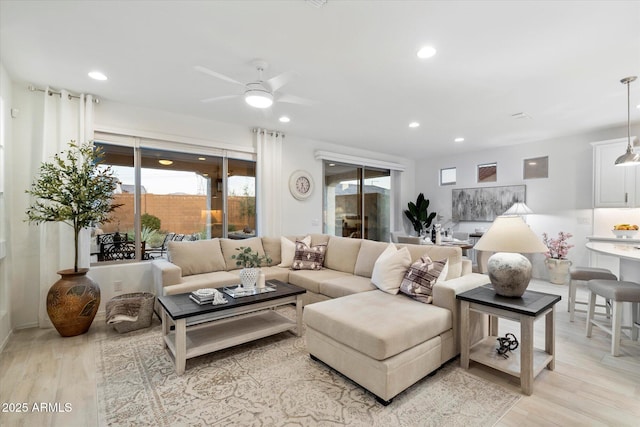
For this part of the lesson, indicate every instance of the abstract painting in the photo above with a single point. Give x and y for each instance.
(484, 203)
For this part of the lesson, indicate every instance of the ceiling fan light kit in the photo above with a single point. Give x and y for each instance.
(259, 93)
(629, 158)
(257, 96)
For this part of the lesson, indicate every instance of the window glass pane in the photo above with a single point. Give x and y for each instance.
(448, 176)
(241, 200)
(377, 196)
(107, 237)
(488, 172)
(179, 195)
(536, 168)
(343, 200)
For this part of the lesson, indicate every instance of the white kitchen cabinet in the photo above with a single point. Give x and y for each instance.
(614, 186)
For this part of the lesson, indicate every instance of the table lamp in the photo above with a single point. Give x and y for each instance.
(509, 271)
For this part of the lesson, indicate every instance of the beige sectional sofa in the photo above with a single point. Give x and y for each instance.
(382, 341)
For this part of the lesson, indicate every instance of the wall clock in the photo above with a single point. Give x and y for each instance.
(301, 184)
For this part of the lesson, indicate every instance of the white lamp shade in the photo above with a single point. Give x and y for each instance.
(510, 234)
(518, 208)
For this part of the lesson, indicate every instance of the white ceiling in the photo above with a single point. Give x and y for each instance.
(558, 62)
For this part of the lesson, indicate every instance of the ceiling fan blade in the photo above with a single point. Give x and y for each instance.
(280, 80)
(292, 99)
(218, 98)
(211, 73)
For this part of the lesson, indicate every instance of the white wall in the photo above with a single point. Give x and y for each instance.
(301, 217)
(562, 202)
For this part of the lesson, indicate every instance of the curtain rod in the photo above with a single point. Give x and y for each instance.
(268, 132)
(50, 92)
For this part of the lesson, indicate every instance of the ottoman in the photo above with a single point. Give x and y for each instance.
(383, 342)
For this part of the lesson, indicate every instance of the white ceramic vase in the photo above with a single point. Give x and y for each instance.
(558, 270)
(249, 277)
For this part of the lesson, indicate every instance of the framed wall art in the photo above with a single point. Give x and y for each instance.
(484, 203)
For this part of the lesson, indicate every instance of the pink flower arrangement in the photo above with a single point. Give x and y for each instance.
(558, 248)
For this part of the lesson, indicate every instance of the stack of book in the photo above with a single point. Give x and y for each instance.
(203, 296)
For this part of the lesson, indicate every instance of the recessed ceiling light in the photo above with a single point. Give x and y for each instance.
(165, 162)
(202, 158)
(332, 164)
(426, 52)
(459, 140)
(638, 106)
(284, 119)
(533, 163)
(97, 75)
(414, 124)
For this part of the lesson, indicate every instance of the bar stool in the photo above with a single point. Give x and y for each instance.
(585, 274)
(618, 292)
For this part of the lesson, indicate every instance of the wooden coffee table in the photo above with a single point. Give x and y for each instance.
(526, 362)
(202, 329)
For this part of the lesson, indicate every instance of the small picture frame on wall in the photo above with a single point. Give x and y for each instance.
(488, 172)
(536, 167)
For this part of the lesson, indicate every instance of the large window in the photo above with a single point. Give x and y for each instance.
(357, 201)
(170, 195)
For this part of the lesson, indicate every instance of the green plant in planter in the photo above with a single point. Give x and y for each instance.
(419, 215)
(73, 189)
(247, 258)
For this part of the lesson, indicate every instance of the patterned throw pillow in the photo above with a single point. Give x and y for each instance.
(420, 278)
(308, 257)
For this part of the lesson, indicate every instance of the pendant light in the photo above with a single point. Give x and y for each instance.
(629, 158)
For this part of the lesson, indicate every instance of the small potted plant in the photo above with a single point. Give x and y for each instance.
(557, 261)
(250, 262)
(419, 215)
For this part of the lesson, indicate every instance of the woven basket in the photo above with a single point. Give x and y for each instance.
(144, 315)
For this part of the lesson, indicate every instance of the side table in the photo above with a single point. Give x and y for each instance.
(531, 306)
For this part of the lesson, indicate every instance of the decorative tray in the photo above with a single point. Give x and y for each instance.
(237, 292)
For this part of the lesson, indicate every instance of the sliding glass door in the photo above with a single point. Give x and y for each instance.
(356, 201)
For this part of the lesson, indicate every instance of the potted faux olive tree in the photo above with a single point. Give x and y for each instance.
(75, 190)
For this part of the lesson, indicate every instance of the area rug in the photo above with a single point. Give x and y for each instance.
(273, 382)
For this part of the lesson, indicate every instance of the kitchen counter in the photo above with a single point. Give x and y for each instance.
(614, 239)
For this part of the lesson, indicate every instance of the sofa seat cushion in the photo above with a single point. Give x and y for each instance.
(311, 279)
(216, 279)
(342, 286)
(376, 323)
(270, 273)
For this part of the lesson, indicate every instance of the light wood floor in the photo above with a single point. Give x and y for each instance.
(588, 387)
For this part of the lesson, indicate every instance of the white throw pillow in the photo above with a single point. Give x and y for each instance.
(390, 268)
(288, 250)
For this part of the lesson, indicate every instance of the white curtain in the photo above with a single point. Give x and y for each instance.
(64, 119)
(269, 182)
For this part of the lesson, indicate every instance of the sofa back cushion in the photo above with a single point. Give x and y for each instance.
(271, 246)
(342, 253)
(369, 253)
(230, 247)
(435, 252)
(197, 257)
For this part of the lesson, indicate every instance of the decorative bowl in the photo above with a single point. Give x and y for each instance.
(624, 234)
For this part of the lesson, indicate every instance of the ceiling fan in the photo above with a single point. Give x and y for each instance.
(260, 93)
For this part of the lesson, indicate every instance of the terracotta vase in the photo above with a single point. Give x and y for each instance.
(72, 302)
(558, 270)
